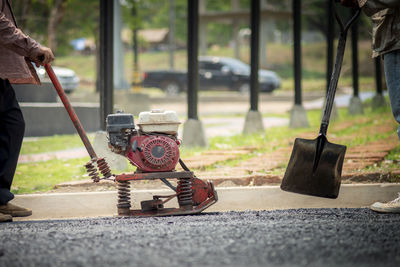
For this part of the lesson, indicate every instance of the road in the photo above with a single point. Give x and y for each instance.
(304, 237)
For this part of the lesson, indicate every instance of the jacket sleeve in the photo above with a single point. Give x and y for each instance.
(14, 39)
(370, 7)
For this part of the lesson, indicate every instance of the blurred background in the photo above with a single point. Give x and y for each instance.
(71, 29)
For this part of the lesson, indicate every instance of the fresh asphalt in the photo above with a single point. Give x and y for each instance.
(302, 237)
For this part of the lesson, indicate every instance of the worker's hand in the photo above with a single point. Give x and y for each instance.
(350, 3)
(45, 56)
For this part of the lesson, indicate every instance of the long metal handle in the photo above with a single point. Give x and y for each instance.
(71, 111)
(330, 96)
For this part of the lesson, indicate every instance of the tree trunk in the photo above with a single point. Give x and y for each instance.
(56, 15)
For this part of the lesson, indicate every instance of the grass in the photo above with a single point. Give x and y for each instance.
(43, 176)
(277, 137)
(51, 143)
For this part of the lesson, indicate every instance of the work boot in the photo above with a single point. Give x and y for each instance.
(390, 207)
(15, 211)
(5, 218)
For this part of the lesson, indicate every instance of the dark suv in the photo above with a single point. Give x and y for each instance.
(215, 73)
(233, 74)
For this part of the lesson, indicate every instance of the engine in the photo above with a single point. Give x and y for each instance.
(153, 147)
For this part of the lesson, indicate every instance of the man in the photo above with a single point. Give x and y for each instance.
(17, 51)
(385, 15)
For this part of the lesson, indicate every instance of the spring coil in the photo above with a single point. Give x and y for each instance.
(124, 194)
(92, 171)
(185, 195)
(104, 168)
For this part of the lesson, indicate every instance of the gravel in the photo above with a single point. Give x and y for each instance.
(302, 237)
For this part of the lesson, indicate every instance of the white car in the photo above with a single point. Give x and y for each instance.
(67, 77)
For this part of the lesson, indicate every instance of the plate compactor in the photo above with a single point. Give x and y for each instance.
(154, 149)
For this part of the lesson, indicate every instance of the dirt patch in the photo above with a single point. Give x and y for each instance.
(344, 125)
(362, 156)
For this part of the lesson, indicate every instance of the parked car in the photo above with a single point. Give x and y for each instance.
(67, 77)
(215, 73)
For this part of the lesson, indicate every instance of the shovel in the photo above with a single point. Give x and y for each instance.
(315, 166)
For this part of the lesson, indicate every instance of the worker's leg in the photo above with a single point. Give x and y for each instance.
(392, 73)
(12, 127)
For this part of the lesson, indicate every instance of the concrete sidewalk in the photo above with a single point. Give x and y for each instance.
(97, 204)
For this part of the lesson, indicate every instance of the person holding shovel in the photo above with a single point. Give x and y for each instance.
(385, 15)
(17, 52)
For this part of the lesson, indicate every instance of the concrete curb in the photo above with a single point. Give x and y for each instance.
(98, 204)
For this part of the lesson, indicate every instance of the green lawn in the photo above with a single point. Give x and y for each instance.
(43, 176)
(51, 143)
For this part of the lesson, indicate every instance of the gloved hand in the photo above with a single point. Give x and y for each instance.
(45, 56)
(350, 3)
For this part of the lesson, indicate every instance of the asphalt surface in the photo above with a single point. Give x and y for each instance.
(305, 237)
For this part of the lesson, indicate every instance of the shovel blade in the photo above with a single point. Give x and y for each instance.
(303, 176)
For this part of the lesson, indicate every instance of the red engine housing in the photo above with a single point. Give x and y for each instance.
(153, 153)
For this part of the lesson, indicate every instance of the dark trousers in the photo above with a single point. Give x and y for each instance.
(12, 127)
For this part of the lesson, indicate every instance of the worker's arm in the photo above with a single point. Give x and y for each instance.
(379, 4)
(14, 39)
(370, 7)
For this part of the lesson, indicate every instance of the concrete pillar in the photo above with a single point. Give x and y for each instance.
(253, 122)
(298, 117)
(100, 145)
(378, 100)
(193, 133)
(355, 106)
(334, 113)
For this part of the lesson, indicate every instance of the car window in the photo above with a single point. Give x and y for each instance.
(236, 65)
(210, 66)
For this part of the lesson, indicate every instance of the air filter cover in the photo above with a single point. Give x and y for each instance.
(159, 121)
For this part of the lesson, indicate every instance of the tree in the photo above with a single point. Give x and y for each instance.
(57, 11)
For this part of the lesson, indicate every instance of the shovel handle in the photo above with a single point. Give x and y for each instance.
(330, 96)
(71, 111)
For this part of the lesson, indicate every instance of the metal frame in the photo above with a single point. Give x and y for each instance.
(297, 51)
(106, 79)
(254, 54)
(354, 55)
(192, 54)
(157, 203)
